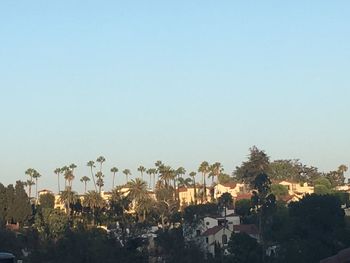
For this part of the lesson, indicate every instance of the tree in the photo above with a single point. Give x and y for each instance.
(279, 190)
(94, 201)
(244, 248)
(322, 186)
(114, 171)
(193, 175)
(85, 180)
(215, 170)
(258, 162)
(100, 160)
(204, 168)
(141, 169)
(30, 172)
(58, 173)
(91, 164)
(138, 193)
(243, 207)
(47, 200)
(127, 173)
(68, 197)
(99, 181)
(36, 175)
(337, 177)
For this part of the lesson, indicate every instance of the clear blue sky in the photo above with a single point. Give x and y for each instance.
(179, 81)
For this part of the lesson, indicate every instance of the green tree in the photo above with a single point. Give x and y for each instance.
(36, 175)
(204, 168)
(193, 175)
(47, 200)
(85, 180)
(243, 207)
(95, 202)
(258, 162)
(114, 171)
(244, 248)
(127, 174)
(58, 173)
(215, 170)
(101, 160)
(142, 170)
(279, 190)
(91, 164)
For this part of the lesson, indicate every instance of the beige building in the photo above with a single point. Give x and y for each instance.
(298, 190)
(233, 188)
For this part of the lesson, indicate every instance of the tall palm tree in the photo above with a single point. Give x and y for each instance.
(69, 177)
(58, 173)
(101, 160)
(182, 182)
(204, 169)
(141, 169)
(72, 167)
(114, 170)
(193, 175)
(64, 169)
(215, 170)
(179, 173)
(153, 172)
(91, 164)
(85, 180)
(94, 201)
(166, 174)
(138, 193)
(29, 172)
(99, 181)
(36, 175)
(127, 173)
(149, 172)
(68, 197)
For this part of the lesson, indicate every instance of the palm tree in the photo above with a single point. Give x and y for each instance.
(215, 170)
(99, 182)
(204, 169)
(94, 201)
(36, 175)
(58, 172)
(178, 174)
(138, 193)
(193, 175)
(64, 169)
(91, 164)
(85, 180)
(127, 173)
(30, 172)
(72, 167)
(69, 177)
(114, 170)
(181, 182)
(141, 169)
(101, 160)
(68, 197)
(166, 174)
(152, 172)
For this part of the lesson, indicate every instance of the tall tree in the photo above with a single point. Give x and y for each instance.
(29, 172)
(58, 173)
(99, 181)
(258, 162)
(85, 180)
(101, 160)
(91, 164)
(215, 170)
(138, 193)
(141, 169)
(36, 175)
(114, 171)
(193, 175)
(204, 168)
(127, 173)
(94, 201)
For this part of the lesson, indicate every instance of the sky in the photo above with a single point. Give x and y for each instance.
(177, 81)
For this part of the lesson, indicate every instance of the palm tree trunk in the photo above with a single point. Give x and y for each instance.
(85, 186)
(36, 188)
(58, 183)
(113, 180)
(93, 179)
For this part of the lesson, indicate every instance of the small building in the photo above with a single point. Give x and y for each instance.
(216, 236)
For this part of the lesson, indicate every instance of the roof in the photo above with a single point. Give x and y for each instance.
(182, 189)
(230, 185)
(247, 229)
(212, 231)
(243, 196)
(6, 256)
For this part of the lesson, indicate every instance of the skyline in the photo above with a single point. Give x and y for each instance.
(181, 83)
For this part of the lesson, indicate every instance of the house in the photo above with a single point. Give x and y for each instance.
(298, 190)
(216, 236)
(249, 229)
(232, 188)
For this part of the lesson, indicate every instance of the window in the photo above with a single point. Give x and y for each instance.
(224, 239)
(207, 223)
(207, 240)
(198, 233)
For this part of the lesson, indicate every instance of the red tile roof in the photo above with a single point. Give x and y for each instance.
(230, 185)
(212, 231)
(248, 229)
(243, 196)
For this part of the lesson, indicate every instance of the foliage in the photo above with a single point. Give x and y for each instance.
(244, 249)
(258, 162)
(243, 207)
(279, 190)
(47, 200)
